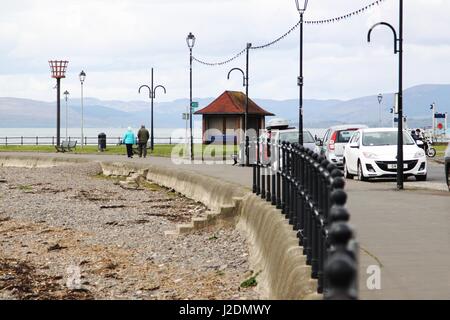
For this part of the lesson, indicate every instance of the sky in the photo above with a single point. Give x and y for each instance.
(117, 42)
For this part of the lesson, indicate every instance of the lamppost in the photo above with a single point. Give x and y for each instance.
(190, 40)
(82, 77)
(152, 96)
(58, 69)
(245, 84)
(301, 10)
(398, 48)
(380, 99)
(66, 97)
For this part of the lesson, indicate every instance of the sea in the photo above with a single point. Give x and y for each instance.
(46, 136)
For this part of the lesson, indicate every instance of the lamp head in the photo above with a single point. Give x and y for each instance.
(301, 5)
(190, 40)
(380, 98)
(82, 76)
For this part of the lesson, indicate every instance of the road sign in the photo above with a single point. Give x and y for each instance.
(185, 116)
(194, 105)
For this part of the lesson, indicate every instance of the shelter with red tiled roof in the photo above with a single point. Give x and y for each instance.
(226, 115)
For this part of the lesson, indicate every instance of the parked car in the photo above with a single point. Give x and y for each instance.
(447, 165)
(372, 153)
(278, 136)
(334, 140)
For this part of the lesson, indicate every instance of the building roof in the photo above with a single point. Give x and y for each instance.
(233, 102)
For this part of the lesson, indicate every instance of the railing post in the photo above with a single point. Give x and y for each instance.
(279, 176)
(21, 140)
(258, 167)
(255, 164)
(341, 271)
(315, 218)
(285, 191)
(6, 141)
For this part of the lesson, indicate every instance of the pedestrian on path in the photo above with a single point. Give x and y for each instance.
(143, 137)
(129, 139)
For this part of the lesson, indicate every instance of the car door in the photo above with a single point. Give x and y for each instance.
(322, 148)
(353, 153)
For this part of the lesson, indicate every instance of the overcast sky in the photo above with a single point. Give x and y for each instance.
(117, 42)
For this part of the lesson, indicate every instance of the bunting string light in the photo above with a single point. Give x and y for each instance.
(346, 16)
(213, 64)
(313, 22)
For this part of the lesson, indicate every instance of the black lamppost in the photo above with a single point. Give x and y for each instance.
(380, 99)
(245, 84)
(190, 40)
(301, 7)
(398, 48)
(82, 77)
(152, 96)
(58, 69)
(66, 97)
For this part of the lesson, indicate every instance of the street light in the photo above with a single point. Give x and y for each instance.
(301, 7)
(82, 78)
(152, 96)
(380, 99)
(66, 97)
(58, 68)
(398, 48)
(245, 82)
(190, 40)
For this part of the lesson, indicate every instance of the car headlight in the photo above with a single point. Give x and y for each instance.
(370, 155)
(419, 154)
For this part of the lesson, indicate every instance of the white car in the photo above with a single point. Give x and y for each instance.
(372, 153)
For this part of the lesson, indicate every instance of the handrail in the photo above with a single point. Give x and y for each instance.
(309, 191)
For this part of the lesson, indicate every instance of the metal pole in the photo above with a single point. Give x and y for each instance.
(247, 158)
(58, 111)
(190, 109)
(67, 117)
(433, 122)
(400, 178)
(152, 94)
(82, 116)
(300, 84)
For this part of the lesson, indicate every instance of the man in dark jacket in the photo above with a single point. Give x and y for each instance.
(143, 137)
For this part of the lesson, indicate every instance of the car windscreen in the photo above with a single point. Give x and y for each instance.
(384, 138)
(344, 136)
(292, 137)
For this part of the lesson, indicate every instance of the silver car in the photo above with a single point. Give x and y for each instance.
(333, 143)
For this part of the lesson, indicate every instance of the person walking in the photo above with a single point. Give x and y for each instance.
(143, 136)
(129, 139)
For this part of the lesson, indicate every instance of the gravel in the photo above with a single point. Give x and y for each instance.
(71, 233)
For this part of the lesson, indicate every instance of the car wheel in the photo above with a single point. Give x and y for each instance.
(421, 178)
(347, 175)
(361, 176)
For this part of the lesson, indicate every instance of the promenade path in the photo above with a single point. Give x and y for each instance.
(406, 233)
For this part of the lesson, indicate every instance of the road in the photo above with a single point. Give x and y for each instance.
(406, 233)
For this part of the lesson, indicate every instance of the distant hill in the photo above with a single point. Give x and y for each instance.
(22, 113)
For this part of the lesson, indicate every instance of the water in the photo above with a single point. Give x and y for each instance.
(48, 135)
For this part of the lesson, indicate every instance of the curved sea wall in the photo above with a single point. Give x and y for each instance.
(274, 251)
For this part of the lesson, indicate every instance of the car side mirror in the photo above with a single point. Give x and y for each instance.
(354, 145)
(319, 143)
(420, 143)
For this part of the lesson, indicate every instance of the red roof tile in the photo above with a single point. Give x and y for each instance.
(233, 102)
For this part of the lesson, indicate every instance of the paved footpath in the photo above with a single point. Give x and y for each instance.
(406, 233)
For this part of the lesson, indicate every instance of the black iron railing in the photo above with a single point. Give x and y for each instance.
(46, 140)
(309, 191)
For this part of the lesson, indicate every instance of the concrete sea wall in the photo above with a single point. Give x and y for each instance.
(273, 244)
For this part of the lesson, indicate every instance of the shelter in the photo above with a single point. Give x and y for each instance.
(227, 114)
